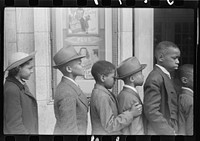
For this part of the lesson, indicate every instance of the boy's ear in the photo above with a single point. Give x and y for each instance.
(161, 57)
(131, 78)
(68, 69)
(184, 80)
(102, 78)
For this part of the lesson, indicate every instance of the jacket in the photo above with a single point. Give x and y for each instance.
(127, 98)
(20, 108)
(105, 117)
(70, 108)
(186, 112)
(160, 104)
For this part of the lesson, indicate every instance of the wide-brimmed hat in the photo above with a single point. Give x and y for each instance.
(65, 55)
(129, 67)
(18, 58)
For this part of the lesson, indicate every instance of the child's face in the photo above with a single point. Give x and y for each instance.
(77, 68)
(26, 71)
(188, 80)
(109, 80)
(138, 78)
(170, 59)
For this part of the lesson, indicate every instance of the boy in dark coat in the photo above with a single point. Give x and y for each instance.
(130, 71)
(105, 117)
(186, 100)
(20, 106)
(160, 98)
(70, 103)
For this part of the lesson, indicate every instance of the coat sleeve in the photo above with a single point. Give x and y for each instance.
(152, 107)
(13, 112)
(67, 108)
(109, 121)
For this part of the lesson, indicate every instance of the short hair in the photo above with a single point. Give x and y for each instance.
(13, 72)
(185, 70)
(162, 47)
(102, 67)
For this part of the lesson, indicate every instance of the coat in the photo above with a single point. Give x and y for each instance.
(126, 98)
(20, 108)
(105, 117)
(186, 112)
(160, 104)
(70, 108)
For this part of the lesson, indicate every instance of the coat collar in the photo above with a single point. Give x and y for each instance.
(20, 85)
(77, 89)
(187, 91)
(109, 93)
(127, 89)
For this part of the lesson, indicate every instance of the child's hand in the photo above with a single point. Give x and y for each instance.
(136, 109)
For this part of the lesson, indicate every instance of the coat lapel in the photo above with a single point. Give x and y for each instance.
(78, 91)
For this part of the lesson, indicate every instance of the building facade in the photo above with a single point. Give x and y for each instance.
(111, 34)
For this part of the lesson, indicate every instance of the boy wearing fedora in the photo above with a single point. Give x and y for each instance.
(70, 103)
(130, 71)
(105, 117)
(160, 98)
(20, 106)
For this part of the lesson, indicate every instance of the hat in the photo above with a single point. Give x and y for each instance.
(18, 58)
(64, 55)
(129, 67)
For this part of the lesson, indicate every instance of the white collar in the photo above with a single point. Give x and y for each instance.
(186, 88)
(132, 88)
(71, 80)
(164, 70)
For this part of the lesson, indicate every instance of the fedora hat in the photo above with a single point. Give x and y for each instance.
(129, 67)
(18, 58)
(65, 55)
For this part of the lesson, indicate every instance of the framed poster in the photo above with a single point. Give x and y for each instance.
(83, 21)
(92, 55)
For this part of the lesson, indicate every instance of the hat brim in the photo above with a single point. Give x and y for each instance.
(71, 59)
(19, 62)
(135, 71)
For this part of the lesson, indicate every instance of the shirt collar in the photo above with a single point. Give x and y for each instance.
(71, 80)
(132, 88)
(186, 88)
(164, 70)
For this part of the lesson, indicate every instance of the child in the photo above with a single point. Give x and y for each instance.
(130, 71)
(70, 104)
(20, 106)
(105, 118)
(160, 98)
(186, 100)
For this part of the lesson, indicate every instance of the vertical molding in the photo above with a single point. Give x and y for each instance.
(143, 35)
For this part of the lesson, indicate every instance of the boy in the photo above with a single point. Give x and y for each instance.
(160, 98)
(186, 100)
(105, 118)
(20, 106)
(130, 71)
(70, 104)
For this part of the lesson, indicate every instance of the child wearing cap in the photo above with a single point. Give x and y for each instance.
(160, 97)
(186, 100)
(20, 106)
(130, 71)
(105, 117)
(70, 103)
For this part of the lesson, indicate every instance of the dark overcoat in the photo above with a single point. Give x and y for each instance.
(160, 104)
(70, 108)
(126, 98)
(20, 108)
